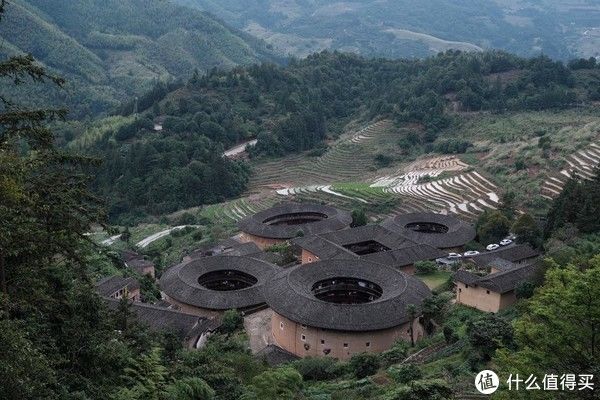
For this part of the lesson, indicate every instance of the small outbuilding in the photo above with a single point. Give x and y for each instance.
(211, 285)
(520, 254)
(118, 287)
(492, 292)
(441, 231)
(338, 308)
(191, 329)
(290, 220)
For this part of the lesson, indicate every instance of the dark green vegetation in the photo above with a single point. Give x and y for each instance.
(403, 28)
(112, 50)
(578, 205)
(60, 342)
(296, 108)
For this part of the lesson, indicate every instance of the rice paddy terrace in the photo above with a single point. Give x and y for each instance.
(350, 158)
(581, 164)
(346, 175)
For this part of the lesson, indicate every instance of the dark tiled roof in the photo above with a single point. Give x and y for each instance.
(289, 294)
(499, 282)
(323, 248)
(365, 233)
(275, 355)
(112, 284)
(138, 264)
(501, 264)
(465, 277)
(335, 220)
(513, 254)
(160, 319)
(458, 234)
(502, 282)
(229, 245)
(180, 282)
(128, 255)
(402, 251)
(406, 256)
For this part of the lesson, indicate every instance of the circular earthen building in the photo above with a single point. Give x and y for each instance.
(211, 285)
(290, 220)
(338, 308)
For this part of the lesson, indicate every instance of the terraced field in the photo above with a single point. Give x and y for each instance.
(417, 187)
(466, 194)
(350, 158)
(228, 213)
(580, 164)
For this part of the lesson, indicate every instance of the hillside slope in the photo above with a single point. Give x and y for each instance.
(403, 28)
(112, 50)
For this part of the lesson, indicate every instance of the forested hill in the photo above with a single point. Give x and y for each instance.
(296, 108)
(405, 28)
(111, 50)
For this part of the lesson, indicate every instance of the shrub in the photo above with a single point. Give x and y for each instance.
(359, 218)
(425, 267)
(186, 219)
(317, 369)
(396, 354)
(232, 321)
(383, 160)
(405, 373)
(524, 290)
(364, 364)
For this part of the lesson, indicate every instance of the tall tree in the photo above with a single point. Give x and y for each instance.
(559, 329)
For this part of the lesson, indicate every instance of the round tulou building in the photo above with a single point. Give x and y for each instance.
(338, 308)
(437, 230)
(290, 220)
(211, 285)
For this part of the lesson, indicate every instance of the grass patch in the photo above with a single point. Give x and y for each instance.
(435, 279)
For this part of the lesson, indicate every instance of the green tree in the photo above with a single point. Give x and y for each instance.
(277, 384)
(364, 364)
(558, 330)
(188, 389)
(488, 333)
(146, 377)
(359, 217)
(527, 231)
(524, 290)
(492, 226)
(425, 267)
(430, 389)
(405, 373)
(232, 321)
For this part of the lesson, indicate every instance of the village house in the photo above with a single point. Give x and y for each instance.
(494, 291)
(191, 329)
(138, 263)
(118, 287)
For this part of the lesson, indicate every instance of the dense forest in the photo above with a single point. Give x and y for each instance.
(110, 51)
(296, 108)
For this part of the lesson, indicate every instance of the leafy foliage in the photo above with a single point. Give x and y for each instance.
(558, 331)
(492, 226)
(578, 204)
(113, 50)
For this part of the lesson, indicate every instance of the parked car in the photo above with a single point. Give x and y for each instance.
(492, 246)
(505, 242)
(454, 255)
(471, 253)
